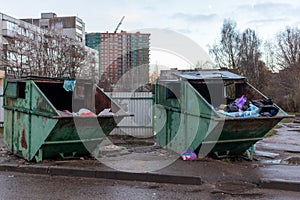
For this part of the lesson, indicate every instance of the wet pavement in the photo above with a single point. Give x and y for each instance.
(282, 168)
(276, 165)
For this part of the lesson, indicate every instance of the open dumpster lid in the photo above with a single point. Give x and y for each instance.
(209, 75)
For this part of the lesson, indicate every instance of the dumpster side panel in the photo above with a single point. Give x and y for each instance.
(198, 126)
(102, 101)
(21, 134)
(196, 103)
(41, 127)
(173, 132)
(168, 114)
(184, 121)
(77, 136)
(238, 135)
(8, 129)
(198, 113)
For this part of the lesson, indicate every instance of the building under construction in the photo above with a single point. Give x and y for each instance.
(123, 57)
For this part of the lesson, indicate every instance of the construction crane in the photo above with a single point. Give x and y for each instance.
(119, 24)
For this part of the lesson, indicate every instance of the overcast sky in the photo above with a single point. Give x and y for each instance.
(200, 20)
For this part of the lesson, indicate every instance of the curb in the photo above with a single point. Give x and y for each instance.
(105, 174)
(280, 184)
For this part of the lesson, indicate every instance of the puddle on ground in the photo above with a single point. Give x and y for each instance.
(271, 161)
(287, 161)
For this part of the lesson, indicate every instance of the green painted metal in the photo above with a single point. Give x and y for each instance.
(182, 122)
(34, 130)
(238, 135)
(186, 120)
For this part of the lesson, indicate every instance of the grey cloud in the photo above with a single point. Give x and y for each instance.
(262, 21)
(271, 6)
(268, 8)
(195, 17)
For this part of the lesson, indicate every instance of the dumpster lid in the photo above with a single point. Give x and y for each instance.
(209, 75)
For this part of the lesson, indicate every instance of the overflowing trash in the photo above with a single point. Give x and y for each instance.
(242, 107)
(83, 112)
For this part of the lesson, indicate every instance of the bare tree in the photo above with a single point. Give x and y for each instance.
(90, 70)
(241, 53)
(226, 53)
(288, 54)
(251, 64)
(269, 56)
(16, 56)
(43, 54)
(286, 57)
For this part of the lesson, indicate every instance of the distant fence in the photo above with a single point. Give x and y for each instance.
(140, 104)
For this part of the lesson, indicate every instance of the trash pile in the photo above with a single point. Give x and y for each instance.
(242, 107)
(85, 113)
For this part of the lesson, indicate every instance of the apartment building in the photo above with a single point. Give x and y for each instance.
(71, 26)
(22, 45)
(122, 55)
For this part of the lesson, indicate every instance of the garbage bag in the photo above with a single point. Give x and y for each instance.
(268, 110)
(266, 107)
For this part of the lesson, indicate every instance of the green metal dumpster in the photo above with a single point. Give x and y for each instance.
(40, 122)
(187, 116)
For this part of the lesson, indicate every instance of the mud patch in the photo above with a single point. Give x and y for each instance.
(135, 144)
(236, 189)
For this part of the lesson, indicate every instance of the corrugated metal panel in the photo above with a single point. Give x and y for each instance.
(140, 104)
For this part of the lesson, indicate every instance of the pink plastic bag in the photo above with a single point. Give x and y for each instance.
(189, 155)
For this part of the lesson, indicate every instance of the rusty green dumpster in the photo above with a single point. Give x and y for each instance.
(188, 114)
(42, 121)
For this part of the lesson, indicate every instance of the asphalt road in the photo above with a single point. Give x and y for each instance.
(27, 186)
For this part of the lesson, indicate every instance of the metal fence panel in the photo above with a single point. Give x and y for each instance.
(140, 104)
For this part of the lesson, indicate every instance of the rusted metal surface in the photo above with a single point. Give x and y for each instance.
(23, 139)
